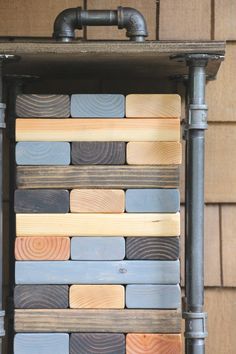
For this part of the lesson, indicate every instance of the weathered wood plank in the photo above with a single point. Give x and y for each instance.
(153, 343)
(97, 106)
(93, 343)
(97, 129)
(97, 297)
(125, 224)
(153, 296)
(153, 106)
(159, 248)
(97, 248)
(97, 272)
(42, 248)
(97, 201)
(116, 177)
(41, 343)
(154, 153)
(111, 321)
(152, 200)
(41, 296)
(41, 201)
(42, 153)
(98, 153)
(42, 105)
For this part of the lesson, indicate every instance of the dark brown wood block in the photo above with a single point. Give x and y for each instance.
(41, 296)
(116, 177)
(152, 248)
(94, 343)
(98, 153)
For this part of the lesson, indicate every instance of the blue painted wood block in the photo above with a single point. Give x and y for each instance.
(153, 296)
(41, 343)
(152, 200)
(97, 272)
(42, 153)
(97, 106)
(97, 248)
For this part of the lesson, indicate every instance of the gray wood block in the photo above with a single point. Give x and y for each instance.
(41, 343)
(42, 153)
(152, 200)
(97, 106)
(97, 272)
(97, 248)
(41, 201)
(153, 296)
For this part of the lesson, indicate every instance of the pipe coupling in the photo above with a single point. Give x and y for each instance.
(195, 325)
(197, 116)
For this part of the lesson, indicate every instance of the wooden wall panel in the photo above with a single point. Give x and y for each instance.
(225, 17)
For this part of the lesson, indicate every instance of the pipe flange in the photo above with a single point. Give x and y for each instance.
(186, 57)
(195, 325)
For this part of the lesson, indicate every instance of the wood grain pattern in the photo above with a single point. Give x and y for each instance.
(41, 201)
(224, 15)
(42, 105)
(97, 272)
(42, 248)
(126, 224)
(115, 177)
(153, 106)
(150, 248)
(98, 153)
(138, 343)
(97, 297)
(41, 296)
(154, 153)
(97, 201)
(108, 321)
(97, 129)
(94, 343)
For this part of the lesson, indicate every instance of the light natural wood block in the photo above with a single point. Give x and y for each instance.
(154, 153)
(126, 224)
(97, 297)
(153, 106)
(149, 343)
(97, 130)
(97, 201)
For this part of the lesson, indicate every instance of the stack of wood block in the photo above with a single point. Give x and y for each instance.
(97, 224)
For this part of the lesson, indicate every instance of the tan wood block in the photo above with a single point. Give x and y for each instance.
(97, 297)
(150, 343)
(153, 106)
(154, 153)
(97, 201)
(98, 224)
(97, 129)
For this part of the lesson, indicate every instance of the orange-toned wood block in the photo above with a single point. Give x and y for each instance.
(42, 248)
(153, 343)
(97, 201)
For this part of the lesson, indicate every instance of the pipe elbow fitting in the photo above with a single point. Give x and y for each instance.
(65, 24)
(134, 22)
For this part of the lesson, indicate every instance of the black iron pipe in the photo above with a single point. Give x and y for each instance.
(124, 17)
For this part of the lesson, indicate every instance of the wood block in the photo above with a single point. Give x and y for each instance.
(97, 106)
(41, 343)
(41, 201)
(126, 224)
(153, 106)
(152, 200)
(97, 201)
(98, 153)
(224, 20)
(150, 343)
(97, 129)
(116, 177)
(42, 153)
(42, 248)
(42, 105)
(97, 248)
(154, 153)
(97, 297)
(159, 248)
(97, 272)
(111, 321)
(153, 296)
(41, 296)
(93, 343)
